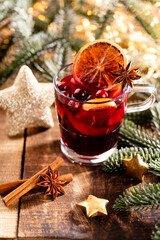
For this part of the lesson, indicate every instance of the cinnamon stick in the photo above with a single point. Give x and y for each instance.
(30, 183)
(9, 186)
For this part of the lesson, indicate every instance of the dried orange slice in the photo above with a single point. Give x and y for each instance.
(96, 111)
(98, 104)
(94, 63)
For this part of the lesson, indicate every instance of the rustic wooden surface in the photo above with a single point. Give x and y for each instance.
(40, 218)
(11, 150)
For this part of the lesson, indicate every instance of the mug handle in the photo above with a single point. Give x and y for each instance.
(141, 106)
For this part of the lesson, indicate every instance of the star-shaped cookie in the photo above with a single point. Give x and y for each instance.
(94, 206)
(27, 102)
(135, 167)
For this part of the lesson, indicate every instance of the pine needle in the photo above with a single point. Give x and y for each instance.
(139, 197)
(136, 135)
(31, 51)
(149, 155)
(156, 232)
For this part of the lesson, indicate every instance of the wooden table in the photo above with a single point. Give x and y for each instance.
(34, 217)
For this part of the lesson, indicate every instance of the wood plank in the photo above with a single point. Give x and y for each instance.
(62, 219)
(10, 169)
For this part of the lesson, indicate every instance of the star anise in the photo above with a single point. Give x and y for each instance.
(125, 75)
(52, 183)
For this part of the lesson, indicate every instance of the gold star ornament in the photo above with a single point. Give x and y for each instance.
(135, 167)
(27, 102)
(94, 206)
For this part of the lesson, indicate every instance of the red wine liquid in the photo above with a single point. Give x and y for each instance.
(88, 129)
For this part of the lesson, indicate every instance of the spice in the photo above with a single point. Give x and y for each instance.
(30, 183)
(126, 75)
(7, 187)
(52, 183)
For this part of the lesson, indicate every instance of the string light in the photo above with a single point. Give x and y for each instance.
(155, 21)
(41, 17)
(157, 4)
(108, 28)
(118, 40)
(89, 12)
(91, 38)
(85, 22)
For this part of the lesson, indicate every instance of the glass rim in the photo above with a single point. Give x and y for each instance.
(80, 101)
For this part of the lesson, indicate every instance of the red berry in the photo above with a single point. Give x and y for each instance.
(73, 105)
(80, 94)
(101, 93)
(63, 85)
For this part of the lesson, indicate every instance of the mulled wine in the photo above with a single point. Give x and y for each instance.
(91, 96)
(89, 120)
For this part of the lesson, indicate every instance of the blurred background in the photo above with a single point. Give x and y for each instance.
(46, 35)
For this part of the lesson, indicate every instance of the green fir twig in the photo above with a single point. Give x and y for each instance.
(107, 19)
(30, 51)
(49, 66)
(156, 232)
(138, 136)
(136, 8)
(149, 155)
(21, 19)
(6, 9)
(141, 197)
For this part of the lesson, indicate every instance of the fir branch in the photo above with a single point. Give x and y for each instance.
(31, 50)
(77, 43)
(149, 155)
(6, 8)
(21, 19)
(139, 197)
(82, 12)
(156, 232)
(107, 19)
(155, 167)
(152, 1)
(137, 135)
(50, 14)
(136, 8)
(65, 22)
(50, 66)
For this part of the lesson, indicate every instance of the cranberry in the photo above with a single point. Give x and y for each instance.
(101, 93)
(80, 94)
(63, 85)
(73, 105)
(67, 93)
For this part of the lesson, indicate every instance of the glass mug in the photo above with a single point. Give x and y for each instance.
(89, 130)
